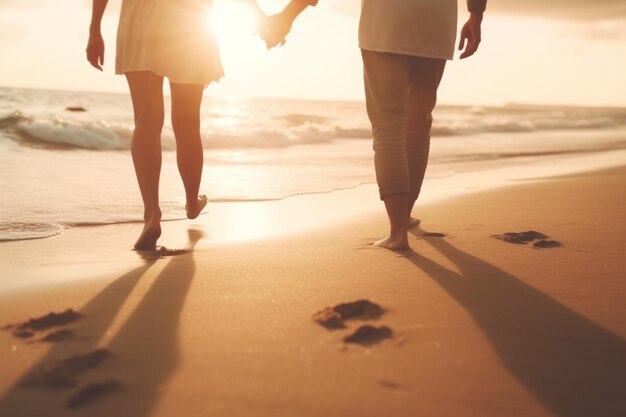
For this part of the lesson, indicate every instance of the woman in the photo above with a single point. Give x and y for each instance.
(159, 39)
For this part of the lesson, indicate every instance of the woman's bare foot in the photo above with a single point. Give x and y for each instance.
(414, 222)
(194, 209)
(150, 234)
(395, 243)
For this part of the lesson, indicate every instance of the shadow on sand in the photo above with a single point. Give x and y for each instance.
(145, 351)
(572, 366)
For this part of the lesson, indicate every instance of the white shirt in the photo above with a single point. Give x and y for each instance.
(424, 28)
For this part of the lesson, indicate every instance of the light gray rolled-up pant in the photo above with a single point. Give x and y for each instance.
(401, 93)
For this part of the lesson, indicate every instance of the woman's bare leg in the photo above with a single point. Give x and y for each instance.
(146, 89)
(186, 100)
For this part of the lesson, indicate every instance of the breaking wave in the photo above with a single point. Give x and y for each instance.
(298, 129)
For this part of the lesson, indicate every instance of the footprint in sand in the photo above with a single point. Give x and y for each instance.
(92, 392)
(392, 385)
(63, 373)
(60, 335)
(369, 335)
(163, 251)
(28, 328)
(433, 234)
(160, 252)
(543, 244)
(334, 318)
(522, 238)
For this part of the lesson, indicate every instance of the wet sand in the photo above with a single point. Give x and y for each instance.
(463, 324)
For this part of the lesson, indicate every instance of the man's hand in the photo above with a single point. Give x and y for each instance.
(95, 50)
(470, 35)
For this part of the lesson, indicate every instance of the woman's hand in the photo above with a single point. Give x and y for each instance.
(95, 49)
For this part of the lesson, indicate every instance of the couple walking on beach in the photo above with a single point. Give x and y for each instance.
(404, 46)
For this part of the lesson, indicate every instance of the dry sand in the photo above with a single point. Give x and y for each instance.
(478, 326)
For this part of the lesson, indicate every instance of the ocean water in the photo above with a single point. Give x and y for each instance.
(63, 169)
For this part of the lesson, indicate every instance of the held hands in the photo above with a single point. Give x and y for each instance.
(470, 36)
(274, 29)
(95, 50)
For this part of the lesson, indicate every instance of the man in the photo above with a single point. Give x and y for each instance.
(404, 45)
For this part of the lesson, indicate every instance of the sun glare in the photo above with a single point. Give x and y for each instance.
(232, 23)
(234, 26)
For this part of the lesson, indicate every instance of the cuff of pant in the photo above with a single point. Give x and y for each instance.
(393, 189)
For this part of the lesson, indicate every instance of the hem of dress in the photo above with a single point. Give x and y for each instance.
(205, 83)
(400, 51)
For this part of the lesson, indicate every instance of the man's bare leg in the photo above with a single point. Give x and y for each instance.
(412, 220)
(426, 74)
(396, 206)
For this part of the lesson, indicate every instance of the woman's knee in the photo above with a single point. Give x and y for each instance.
(185, 124)
(149, 124)
(146, 91)
(186, 101)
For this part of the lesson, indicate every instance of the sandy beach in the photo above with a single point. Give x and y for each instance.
(197, 227)
(463, 324)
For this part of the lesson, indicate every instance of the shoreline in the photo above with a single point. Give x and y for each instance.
(233, 223)
(478, 325)
(502, 174)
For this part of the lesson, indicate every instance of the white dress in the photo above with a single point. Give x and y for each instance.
(170, 38)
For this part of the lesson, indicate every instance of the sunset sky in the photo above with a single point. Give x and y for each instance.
(561, 52)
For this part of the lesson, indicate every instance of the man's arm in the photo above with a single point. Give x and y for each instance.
(95, 46)
(471, 32)
(476, 6)
(276, 28)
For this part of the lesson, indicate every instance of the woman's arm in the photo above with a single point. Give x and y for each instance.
(95, 46)
(295, 7)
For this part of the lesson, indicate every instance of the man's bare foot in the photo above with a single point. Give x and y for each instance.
(194, 210)
(414, 222)
(150, 234)
(393, 244)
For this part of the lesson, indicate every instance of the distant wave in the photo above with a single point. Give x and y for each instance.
(301, 119)
(64, 134)
(278, 137)
(497, 125)
(67, 134)
(298, 129)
